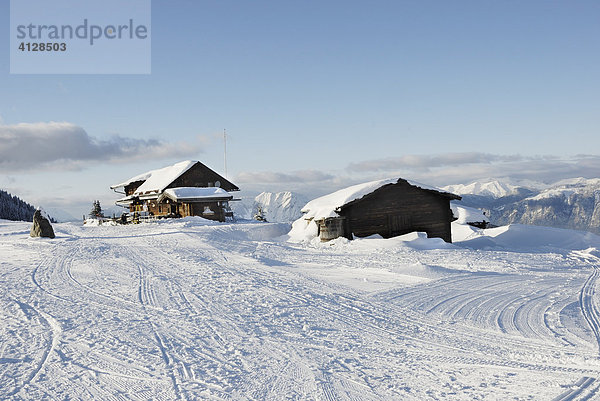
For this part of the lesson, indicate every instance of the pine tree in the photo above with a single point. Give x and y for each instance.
(259, 215)
(96, 211)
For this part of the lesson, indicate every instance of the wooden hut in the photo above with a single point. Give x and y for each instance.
(187, 188)
(388, 208)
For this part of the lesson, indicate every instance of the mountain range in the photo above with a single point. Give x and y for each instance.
(572, 203)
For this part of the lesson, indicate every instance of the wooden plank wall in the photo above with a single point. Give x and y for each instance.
(399, 209)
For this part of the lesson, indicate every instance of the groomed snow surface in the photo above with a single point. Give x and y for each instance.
(189, 309)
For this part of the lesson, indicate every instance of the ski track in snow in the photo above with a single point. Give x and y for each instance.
(587, 387)
(167, 311)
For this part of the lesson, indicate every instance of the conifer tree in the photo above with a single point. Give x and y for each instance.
(96, 211)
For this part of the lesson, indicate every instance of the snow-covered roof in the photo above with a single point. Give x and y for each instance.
(326, 206)
(191, 193)
(180, 194)
(157, 180)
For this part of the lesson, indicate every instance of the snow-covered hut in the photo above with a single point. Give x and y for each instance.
(187, 188)
(386, 207)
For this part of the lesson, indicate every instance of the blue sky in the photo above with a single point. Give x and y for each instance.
(317, 95)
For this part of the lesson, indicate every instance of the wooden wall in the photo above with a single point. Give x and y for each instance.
(183, 209)
(197, 209)
(398, 209)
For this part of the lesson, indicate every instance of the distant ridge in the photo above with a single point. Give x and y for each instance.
(13, 208)
(494, 188)
(573, 203)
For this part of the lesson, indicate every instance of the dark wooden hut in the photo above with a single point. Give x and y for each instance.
(392, 209)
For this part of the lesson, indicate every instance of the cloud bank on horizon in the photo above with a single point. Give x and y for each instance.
(27, 147)
(440, 169)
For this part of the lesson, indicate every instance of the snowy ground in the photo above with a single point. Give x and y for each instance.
(191, 310)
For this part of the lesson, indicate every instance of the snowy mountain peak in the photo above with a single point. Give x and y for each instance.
(494, 188)
(570, 187)
(281, 199)
(279, 207)
(578, 182)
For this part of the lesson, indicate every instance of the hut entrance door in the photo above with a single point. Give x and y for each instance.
(399, 224)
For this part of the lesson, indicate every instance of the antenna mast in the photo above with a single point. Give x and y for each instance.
(225, 151)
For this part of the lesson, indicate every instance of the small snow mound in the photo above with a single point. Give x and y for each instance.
(419, 240)
(189, 221)
(303, 231)
(465, 214)
(375, 242)
(463, 232)
(98, 222)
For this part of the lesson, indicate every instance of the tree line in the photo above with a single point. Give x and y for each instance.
(13, 208)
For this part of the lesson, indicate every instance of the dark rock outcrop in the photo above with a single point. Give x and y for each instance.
(41, 225)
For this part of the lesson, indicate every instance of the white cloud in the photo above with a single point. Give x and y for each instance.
(267, 177)
(454, 168)
(427, 162)
(65, 146)
(438, 170)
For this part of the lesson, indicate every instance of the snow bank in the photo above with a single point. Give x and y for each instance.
(414, 240)
(98, 222)
(519, 237)
(303, 230)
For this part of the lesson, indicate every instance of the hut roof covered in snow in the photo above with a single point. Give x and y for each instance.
(328, 205)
